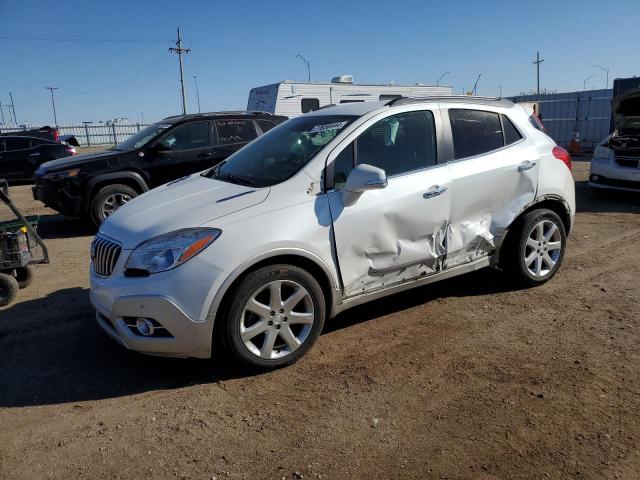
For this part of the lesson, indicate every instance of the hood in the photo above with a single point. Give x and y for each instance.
(626, 109)
(184, 203)
(66, 163)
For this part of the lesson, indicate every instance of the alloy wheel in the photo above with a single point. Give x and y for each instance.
(277, 319)
(543, 248)
(113, 202)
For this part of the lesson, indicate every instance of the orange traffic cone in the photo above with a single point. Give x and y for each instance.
(574, 146)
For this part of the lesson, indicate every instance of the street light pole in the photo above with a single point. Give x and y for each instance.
(441, 77)
(195, 79)
(605, 70)
(308, 64)
(53, 104)
(584, 84)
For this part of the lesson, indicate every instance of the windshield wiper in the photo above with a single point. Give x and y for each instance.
(237, 179)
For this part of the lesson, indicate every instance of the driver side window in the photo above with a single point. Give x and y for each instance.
(187, 137)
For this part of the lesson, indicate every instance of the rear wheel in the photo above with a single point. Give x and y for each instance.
(536, 249)
(8, 289)
(108, 200)
(276, 315)
(24, 276)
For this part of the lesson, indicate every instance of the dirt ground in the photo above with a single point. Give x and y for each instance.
(468, 378)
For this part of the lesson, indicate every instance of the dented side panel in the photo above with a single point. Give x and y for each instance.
(394, 234)
(488, 193)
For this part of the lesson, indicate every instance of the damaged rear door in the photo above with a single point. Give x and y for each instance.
(493, 177)
(397, 233)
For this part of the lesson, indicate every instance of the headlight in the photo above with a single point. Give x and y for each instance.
(61, 175)
(171, 250)
(602, 154)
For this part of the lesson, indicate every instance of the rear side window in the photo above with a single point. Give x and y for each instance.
(17, 143)
(235, 131)
(309, 104)
(511, 133)
(399, 143)
(475, 132)
(265, 125)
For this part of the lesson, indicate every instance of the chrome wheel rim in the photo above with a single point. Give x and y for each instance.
(543, 248)
(113, 202)
(277, 319)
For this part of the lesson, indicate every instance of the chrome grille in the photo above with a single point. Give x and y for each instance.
(104, 255)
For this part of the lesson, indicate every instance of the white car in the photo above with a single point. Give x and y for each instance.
(329, 210)
(616, 161)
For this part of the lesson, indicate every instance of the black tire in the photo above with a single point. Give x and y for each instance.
(8, 289)
(24, 276)
(98, 202)
(515, 250)
(232, 317)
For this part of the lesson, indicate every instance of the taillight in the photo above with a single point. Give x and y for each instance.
(56, 135)
(561, 154)
(72, 150)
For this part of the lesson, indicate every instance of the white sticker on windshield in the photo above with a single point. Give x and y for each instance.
(327, 126)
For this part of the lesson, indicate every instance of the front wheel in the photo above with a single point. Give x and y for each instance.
(108, 200)
(536, 250)
(276, 315)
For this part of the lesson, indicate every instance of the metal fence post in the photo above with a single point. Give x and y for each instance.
(113, 129)
(138, 125)
(86, 132)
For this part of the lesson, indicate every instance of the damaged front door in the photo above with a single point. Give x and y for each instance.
(396, 233)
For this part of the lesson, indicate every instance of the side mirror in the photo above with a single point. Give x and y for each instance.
(160, 147)
(362, 178)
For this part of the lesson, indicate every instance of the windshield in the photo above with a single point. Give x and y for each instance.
(142, 137)
(282, 152)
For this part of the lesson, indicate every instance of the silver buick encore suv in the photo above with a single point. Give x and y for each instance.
(329, 210)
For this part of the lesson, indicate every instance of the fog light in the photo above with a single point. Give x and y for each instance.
(595, 178)
(145, 327)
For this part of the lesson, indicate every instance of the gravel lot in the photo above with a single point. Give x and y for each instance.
(468, 378)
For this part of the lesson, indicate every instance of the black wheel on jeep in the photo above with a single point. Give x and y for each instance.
(108, 200)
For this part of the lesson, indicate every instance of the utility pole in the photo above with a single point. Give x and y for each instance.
(179, 50)
(13, 108)
(53, 104)
(500, 90)
(537, 63)
(195, 79)
(308, 64)
(606, 70)
(441, 77)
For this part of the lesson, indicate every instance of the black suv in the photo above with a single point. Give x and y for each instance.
(96, 185)
(21, 155)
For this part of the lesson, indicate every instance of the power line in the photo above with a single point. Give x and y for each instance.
(180, 51)
(80, 38)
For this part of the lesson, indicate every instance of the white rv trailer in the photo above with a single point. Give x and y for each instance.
(291, 98)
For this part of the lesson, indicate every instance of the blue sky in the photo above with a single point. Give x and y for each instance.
(109, 58)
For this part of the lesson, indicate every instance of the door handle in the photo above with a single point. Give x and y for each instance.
(434, 191)
(34, 154)
(204, 155)
(527, 165)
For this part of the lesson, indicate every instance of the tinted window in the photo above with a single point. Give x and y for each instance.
(475, 132)
(265, 125)
(342, 166)
(17, 143)
(511, 133)
(235, 131)
(310, 104)
(281, 153)
(188, 136)
(400, 143)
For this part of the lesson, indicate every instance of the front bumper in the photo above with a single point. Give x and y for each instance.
(613, 176)
(183, 337)
(58, 198)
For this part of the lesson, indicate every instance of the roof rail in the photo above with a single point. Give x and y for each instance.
(458, 98)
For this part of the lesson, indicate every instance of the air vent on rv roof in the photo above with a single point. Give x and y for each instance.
(342, 79)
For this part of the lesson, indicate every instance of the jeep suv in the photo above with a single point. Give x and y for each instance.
(96, 185)
(329, 210)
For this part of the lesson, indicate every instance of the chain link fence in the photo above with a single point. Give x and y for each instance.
(89, 135)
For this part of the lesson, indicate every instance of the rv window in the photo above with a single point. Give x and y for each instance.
(351, 101)
(389, 97)
(235, 131)
(310, 104)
